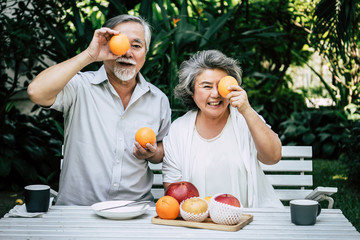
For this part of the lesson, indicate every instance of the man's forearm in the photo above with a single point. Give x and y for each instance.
(45, 87)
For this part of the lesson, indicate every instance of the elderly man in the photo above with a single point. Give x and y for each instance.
(102, 111)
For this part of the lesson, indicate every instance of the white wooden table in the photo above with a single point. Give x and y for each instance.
(75, 222)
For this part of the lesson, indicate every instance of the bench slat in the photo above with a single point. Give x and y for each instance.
(157, 180)
(155, 167)
(290, 180)
(289, 166)
(296, 151)
(283, 165)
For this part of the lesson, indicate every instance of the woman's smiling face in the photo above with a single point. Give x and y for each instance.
(206, 94)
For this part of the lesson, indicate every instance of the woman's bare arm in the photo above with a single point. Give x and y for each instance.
(266, 141)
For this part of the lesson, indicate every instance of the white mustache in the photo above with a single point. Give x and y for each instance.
(126, 60)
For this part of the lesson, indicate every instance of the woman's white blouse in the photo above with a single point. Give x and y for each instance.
(212, 159)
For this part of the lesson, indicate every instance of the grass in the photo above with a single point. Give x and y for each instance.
(327, 173)
(330, 173)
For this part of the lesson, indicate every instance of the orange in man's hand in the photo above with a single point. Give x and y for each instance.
(145, 135)
(224, 83)
(119, 44)
(167, 207)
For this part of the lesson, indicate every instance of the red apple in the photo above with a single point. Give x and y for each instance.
(228, 199)
(182, 191)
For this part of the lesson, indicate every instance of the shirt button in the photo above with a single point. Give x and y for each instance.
(122, 118)
(117, 161)
(115, 184)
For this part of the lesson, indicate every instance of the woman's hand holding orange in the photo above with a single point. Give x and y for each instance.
(98, 50)
(238, 99)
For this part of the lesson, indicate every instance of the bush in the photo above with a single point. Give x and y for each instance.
(277, 108)
(323, 129)
(350, 155)
(30, 150)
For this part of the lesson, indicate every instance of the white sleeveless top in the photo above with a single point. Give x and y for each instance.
(215, 165)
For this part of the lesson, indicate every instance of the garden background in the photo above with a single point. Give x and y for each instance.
(269, 38)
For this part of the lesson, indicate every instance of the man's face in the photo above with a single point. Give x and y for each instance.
(127, 66)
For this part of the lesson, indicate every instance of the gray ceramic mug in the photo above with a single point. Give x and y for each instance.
(304, 211)
(37, 198)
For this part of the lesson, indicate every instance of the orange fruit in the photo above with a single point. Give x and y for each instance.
(119, 44)
(167, 207)
(224, 83)
(145, 135)
(208, 198)
(194, 205)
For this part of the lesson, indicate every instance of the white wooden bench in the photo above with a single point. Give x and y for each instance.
(291, 177)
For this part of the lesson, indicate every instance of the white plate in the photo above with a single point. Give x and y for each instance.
(119, 213)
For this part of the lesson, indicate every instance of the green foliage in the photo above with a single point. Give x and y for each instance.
(322, 129)
(335, 34)
(30, 148)
(276, 108)
(19, 51)
(350, 155)
(352, 112)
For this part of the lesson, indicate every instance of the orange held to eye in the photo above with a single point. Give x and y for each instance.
(145, 135)
(167, 207)
(224, 83)
(119, 44)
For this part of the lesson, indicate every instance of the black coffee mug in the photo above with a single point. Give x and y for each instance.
(304, 211)
(37, 198)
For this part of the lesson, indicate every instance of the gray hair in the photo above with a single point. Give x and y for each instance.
(200, 61)
(113, 22)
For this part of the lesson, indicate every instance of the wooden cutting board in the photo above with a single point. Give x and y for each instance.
(207, 224)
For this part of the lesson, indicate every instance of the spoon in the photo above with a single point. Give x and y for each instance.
(126, 205)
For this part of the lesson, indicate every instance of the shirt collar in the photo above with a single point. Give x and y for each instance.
(101, 76)
(142, 83)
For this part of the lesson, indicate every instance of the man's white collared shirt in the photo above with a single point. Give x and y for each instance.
(99, 136)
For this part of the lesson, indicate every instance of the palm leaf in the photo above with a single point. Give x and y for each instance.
(333, 23)
(215, 27)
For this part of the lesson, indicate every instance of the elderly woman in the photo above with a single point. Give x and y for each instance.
(218, 144)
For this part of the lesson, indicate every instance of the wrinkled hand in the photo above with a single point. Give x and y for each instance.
(238, 98)
(144, 153)
(99, 49)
